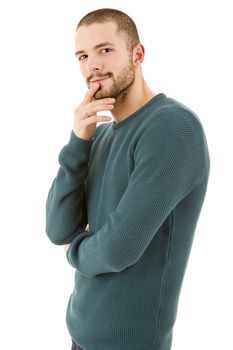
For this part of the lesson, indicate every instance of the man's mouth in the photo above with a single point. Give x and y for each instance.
(99, 78)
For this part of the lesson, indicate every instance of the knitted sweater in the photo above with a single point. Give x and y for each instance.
(128, 201)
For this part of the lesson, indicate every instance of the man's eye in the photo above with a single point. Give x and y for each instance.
(81, 58)
(106, 50)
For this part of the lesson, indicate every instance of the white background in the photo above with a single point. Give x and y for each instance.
(189, 58)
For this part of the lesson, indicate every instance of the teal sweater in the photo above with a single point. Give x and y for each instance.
(140, 186)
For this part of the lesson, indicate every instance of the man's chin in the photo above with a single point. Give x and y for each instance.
(102, 94)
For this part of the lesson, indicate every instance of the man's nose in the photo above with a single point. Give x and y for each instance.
(95, 64)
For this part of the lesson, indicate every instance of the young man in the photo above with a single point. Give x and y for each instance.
(127, 195)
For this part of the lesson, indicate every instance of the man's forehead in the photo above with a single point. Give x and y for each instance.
(94, 35)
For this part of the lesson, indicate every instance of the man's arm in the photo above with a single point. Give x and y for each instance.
(66, 214)
(168, 163)
(66, 204)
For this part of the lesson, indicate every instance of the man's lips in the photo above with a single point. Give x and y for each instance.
(99, 79)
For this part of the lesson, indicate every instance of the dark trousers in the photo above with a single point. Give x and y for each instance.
(75, 346)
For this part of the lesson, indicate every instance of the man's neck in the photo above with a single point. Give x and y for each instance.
(136, 99)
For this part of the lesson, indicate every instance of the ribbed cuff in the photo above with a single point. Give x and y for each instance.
(72, 252)
(75, 138)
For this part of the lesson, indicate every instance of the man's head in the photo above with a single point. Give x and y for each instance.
(107, 46)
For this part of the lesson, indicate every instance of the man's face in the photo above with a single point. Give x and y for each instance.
(103, 57)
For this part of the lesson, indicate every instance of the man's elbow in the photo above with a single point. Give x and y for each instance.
(57, 237)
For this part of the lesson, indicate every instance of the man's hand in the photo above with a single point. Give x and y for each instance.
(66, 247)
(85, 116)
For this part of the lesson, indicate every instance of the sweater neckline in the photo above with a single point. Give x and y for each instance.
(147, 104)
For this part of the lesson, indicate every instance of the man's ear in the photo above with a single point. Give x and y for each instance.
(138, 54)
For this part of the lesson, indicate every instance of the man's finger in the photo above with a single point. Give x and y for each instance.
(93, 109)
(95, 119)
(91, 92)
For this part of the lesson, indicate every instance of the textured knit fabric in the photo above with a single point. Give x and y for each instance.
(140, 186)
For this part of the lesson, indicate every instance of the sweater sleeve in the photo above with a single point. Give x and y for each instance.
(66, 214)
(168, 163)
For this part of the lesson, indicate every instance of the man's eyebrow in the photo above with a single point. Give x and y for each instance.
(105, 43)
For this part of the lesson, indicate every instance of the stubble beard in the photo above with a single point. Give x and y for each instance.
(120, 87)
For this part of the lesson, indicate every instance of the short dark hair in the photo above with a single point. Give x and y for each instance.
(125, 24)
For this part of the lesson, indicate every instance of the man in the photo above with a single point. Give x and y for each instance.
(127, 195)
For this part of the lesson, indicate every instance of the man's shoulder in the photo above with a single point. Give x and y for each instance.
(171, 114)
(170, 120)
